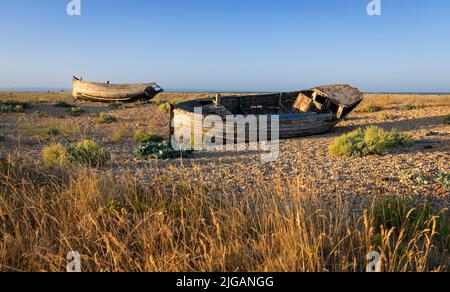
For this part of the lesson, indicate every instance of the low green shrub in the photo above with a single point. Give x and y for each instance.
(2, 137)
(368, 141)
(51, 132)
(88, 152)
(63, 104)
(371, 108)
(76, 111)
(13, 106)
(106, 119)
(444, 181)
(419, 178)
(164, 107)
(115, 105)
(85, 152)
(446, 121)
(19, 108)
(141, 103)
(387, 117)
(55, 156)
(160, 150)
(142, 137)
(409, 107)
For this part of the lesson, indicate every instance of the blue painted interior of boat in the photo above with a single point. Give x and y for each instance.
(299, 116)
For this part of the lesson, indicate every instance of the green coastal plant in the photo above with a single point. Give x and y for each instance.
(63, 104)
(55, 156)
(106, 119)
(13, 106)
(76, 111)
(368, 141)
(444, 180)
(409, 107)
(115, 105)
(371, 108)
(164, 107)
(142, 137)
(446, 121)
(160, 150)
(85, 152)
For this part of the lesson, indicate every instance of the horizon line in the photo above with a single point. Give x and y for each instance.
(181, 90)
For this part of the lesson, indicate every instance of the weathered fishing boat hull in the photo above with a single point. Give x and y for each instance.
(187, 124)
(292, 114)
(105, 92)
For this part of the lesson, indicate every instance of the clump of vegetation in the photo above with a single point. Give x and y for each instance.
(2, 137)
(112, 206)
(419, 178)
(115, 105)
(11, 109)
(76, 111)
(106, 119)
(371, 108)
(85, 152)
(51, 132)
(397, 214)
(63, 104)
(164, 107)
(160, 150)
(446, 120)
(19, 108)
(88, 152)
(118, 135)
(387, 117)
(142, 137)
(368, 141)
(141, 103)
(409, 107)
(55, 156)
(13, 106)
(444, 180)
(40, 101)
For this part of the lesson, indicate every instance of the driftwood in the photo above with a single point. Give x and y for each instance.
(106, 92)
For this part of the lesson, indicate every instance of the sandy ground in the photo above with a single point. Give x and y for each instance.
(358, 180)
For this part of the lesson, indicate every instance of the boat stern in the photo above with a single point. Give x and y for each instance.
(152, 91)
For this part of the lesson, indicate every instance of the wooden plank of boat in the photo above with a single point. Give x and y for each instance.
(341, 99)
(106, 92)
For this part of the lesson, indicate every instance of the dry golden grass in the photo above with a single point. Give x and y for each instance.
(39, 128)
(36, 97)
(118, 224)
(118, 134)
(397, 100)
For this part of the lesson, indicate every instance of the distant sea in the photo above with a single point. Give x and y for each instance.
(33, 89)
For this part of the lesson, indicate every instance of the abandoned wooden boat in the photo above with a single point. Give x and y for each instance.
(106, 92)
(301, 113)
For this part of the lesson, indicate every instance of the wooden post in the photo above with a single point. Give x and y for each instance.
(218, 99)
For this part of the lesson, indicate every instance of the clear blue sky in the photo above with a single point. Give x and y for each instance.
(228, 44)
